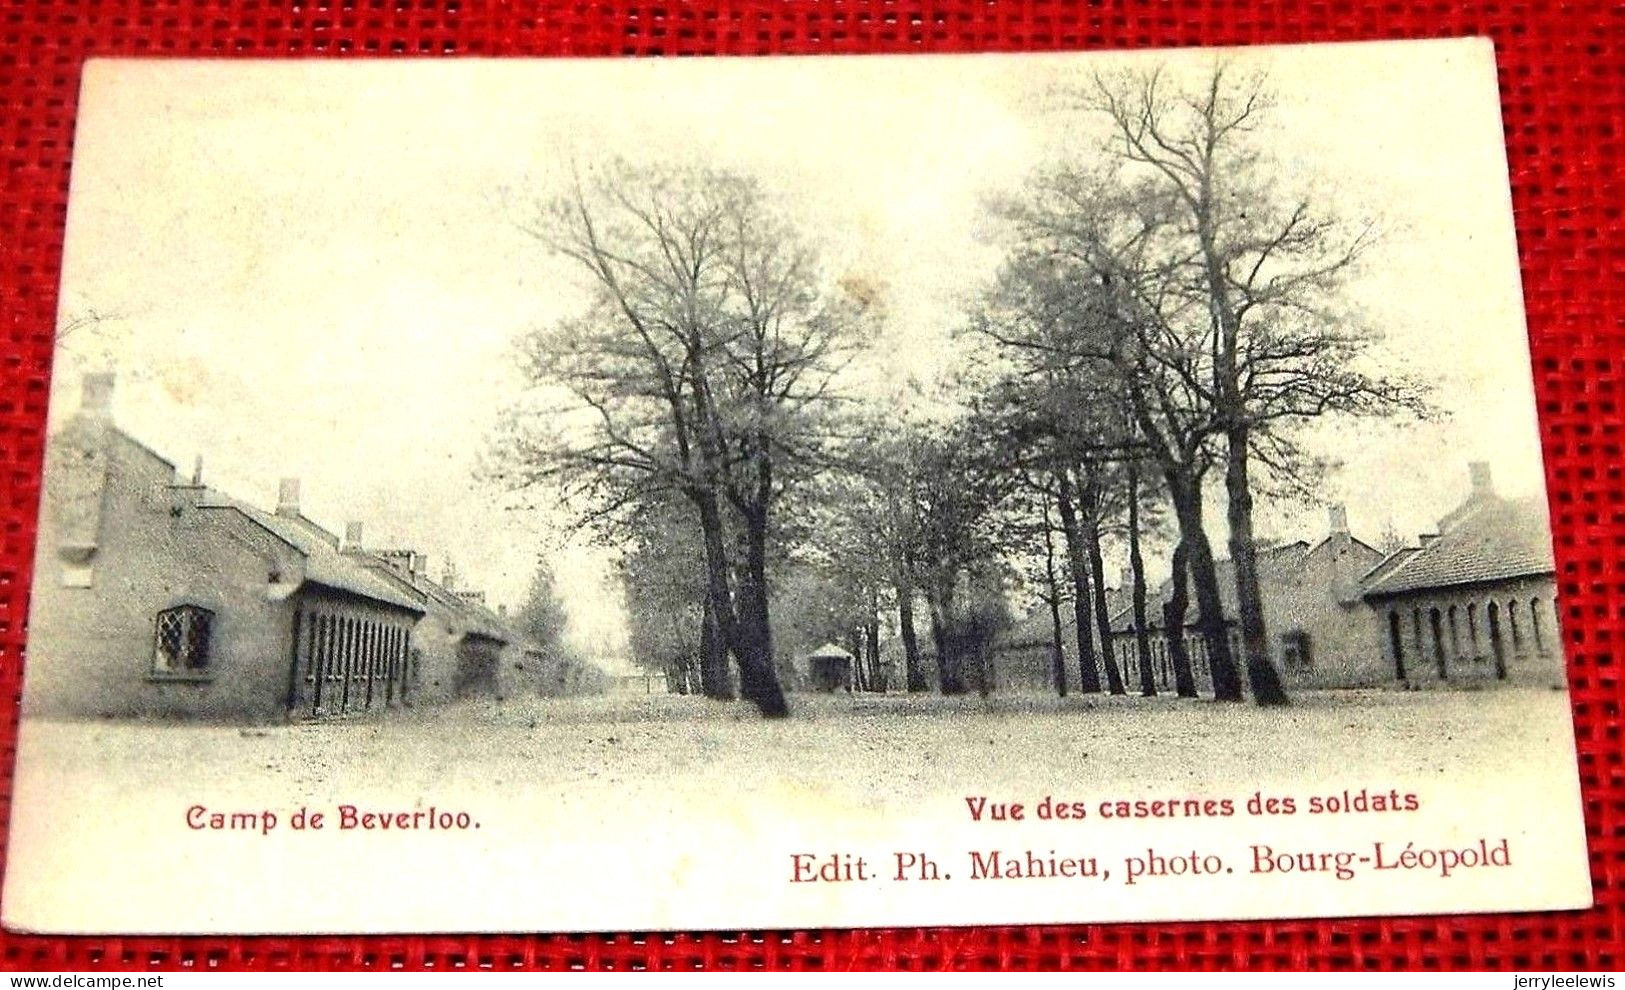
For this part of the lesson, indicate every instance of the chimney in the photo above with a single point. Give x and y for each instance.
(287, 497)
(418, 566)
(1483, 484)
(1428, 539)
(352, 537)
(1345, 572)
(96, 395)
(448, 579)
(74, 498)
(197, 471)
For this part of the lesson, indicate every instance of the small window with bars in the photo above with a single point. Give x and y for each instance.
(182, 640)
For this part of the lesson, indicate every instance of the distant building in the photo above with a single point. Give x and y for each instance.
(828, 668)
(641, 682)
(1318, 626)
(156, 595)
(1475, 601)
(461, 648)
(1024, 658)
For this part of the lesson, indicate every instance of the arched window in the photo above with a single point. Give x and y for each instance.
(313, 646)
(330, 654)
(1492, 616)
(1436, 623)
(1472, 627)
(1455, 633)
(182, 638)
(1534, 625)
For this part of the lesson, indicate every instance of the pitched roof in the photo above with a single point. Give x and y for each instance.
(1387, 566)
(1281, 559)
(829, 651)
(326, 565)
(476, 619)
(1501, 539)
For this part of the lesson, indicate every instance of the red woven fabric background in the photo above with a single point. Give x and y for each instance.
(1562, 72)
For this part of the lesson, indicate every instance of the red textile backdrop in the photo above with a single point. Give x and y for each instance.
(1562, 73)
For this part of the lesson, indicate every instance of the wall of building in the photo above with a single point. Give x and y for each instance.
(92, 636)
(524, 673)
(353, 655)
(479, 660)
(1028, 667)
(1319, 598)
(434, 656)
(1162, 669)
(1309, 596)
(1525, 627)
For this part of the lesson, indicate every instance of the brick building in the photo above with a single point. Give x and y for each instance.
(1318, 625)
(462, 648)
(1475, 601)
(155, 595)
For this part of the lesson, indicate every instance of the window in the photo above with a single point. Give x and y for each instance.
(1296, 653)
(182, 640)
(1396, 641)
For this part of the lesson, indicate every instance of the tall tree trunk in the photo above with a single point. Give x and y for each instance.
(1262, 677)
(946, 638)
(746, 632)
(1136, 566)
(1090, 524)
(1187, 499)
(715, 681)
(1088, 672)
(980, 627)
(1173, 624)
(871, 634)
(913, 667)
(1052, 598)
(765, 691)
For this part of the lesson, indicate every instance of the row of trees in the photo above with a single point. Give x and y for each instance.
(690, 398)
(1167, 314)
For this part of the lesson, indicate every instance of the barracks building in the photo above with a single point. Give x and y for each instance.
(157, 596)
(1474, 601)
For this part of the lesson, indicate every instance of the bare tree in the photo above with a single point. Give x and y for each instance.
(1266, 269)
(699, 370)
(1085, 296)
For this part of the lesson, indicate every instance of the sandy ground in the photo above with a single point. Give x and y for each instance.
(698, 806)
(909, 744)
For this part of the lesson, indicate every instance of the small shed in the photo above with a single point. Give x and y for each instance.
(829, 667)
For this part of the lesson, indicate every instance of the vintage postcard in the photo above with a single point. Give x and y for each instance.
(744, 493)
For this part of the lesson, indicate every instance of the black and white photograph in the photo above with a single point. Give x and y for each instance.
(509, 495)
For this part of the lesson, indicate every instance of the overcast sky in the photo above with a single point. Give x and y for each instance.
(312, 269)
